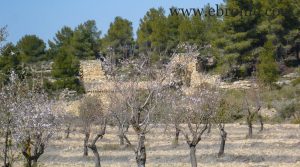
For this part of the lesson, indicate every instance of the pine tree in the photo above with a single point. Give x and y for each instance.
(31, 48)
(9, 60)
(65, 70)
(86, 40)
(267, 68)
(119, 39)
(152, 34)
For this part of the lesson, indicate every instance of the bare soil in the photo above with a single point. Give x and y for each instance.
(277, 145)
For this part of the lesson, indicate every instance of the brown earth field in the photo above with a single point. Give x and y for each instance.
(278, 145)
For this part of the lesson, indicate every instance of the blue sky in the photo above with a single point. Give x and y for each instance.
(45, 17)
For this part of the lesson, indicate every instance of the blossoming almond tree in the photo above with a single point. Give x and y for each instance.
(137, 97)
(197, 111)
(9, 100)
(36, 122)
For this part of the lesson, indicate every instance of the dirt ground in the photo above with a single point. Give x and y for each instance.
(278, 145)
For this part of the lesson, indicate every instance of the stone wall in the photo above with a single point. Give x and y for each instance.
(96, 83)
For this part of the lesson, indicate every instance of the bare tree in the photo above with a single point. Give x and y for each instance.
(253, 104)
(222, 116)
(69, 121)
(91, 113)
(199, 109)
(171, 111)
(139, 96)
(119, 114)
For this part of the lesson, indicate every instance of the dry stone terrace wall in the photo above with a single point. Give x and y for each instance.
(97, 83)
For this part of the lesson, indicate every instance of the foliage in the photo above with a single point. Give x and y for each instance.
(119, 40)
(152, 32)
(3, 35)
(267, 68)
(85, 41)
(31, 48)
(9, 61)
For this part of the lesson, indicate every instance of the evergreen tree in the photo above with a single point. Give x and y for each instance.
(267, 68)
(65, 70)
(9, 60)
(173, 23)
(152, 34)
(119, 39)
(62, 38)
(240, 40)
(31, 48)
(86, 40)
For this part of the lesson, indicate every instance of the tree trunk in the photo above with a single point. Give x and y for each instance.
(193, 155)
(93, 146)
(68, 130)
(6, 146)
(121, 139)
(249, 130)
(209, 128)
(141, 151)
(85, 144)
(96, 155)
(176, 140)
(223, 140)
(34, 162)
(29, 162)
(121, 136)
(261, 123)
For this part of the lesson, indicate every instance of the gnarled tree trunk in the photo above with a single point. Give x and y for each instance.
(37, 152)
(6, 146)
(223, 140)
(93, 147)
(250, 130)
(85, 144)
(68, 131)
(176, 139)
(260, 118)
(121, 136)
(209, 128)
(141, 151)
(193, 155)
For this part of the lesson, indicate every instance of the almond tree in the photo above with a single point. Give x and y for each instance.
(197, 111)
(10, 102)
(91, 114)
(221, 117)
(252, 106)
(119, 114)
(141, 104)
(36, 122)
(171, 110)
(139, 96)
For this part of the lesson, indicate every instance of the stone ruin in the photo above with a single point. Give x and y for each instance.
(96, 83)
